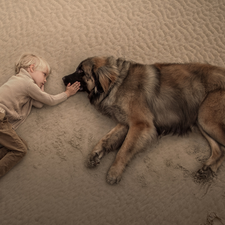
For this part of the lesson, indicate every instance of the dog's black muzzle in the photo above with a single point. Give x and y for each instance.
(72, 78)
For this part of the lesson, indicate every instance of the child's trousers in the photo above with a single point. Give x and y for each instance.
(13, 148)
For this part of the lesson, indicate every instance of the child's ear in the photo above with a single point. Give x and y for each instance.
(31, 67)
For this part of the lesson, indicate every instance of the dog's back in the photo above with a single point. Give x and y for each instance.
(179, 90)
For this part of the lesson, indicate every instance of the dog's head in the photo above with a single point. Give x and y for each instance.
(95, 75)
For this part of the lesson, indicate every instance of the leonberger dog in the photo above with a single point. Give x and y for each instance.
(148, 101)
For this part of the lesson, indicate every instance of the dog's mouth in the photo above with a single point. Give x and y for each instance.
(70, 79)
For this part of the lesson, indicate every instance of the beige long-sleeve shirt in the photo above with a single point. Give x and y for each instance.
(20, 93)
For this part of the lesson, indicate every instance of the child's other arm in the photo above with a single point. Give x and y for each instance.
(37, 104)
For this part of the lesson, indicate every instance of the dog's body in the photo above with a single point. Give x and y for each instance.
(149, 100)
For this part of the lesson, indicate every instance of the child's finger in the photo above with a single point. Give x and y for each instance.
(76, 83)
(76, 87)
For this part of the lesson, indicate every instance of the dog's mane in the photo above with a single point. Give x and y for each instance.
(105, 79)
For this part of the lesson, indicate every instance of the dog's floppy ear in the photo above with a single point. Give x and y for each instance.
(106, 76)
(107, 73)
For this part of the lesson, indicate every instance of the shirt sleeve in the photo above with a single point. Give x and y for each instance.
(38, 95)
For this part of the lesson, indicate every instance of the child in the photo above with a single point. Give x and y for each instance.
(17, 96)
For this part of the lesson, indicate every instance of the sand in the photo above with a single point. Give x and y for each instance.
(52, 185)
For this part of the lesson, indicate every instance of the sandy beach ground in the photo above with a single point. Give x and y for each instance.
(52, 185)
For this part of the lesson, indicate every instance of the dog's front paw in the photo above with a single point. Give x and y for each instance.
(114, 176)
(205, 174)
(93, 160)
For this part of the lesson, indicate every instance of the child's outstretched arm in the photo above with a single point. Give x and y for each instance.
(39, 95)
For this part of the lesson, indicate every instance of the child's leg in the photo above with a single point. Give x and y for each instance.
(3, 151)
(13, 144)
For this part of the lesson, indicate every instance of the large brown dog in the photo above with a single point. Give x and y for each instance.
(151, 100)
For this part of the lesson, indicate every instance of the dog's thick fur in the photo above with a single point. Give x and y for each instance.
(152, 100)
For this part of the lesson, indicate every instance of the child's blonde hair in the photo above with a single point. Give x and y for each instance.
(30, 59)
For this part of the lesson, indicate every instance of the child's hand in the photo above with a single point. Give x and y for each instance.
(72, 89)
(43, 88)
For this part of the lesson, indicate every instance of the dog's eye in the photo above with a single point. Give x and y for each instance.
(80, 71)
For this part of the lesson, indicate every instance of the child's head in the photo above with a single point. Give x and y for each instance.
(26, 60)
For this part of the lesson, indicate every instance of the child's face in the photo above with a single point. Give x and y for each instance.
(39, 76)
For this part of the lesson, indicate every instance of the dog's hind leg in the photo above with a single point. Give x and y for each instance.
(212, 164)
(211, 124)
(112, 141)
